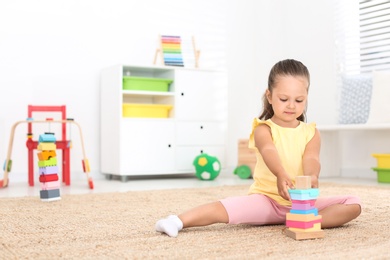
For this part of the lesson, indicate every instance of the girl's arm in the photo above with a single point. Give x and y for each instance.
(267, 149)
(311, 159)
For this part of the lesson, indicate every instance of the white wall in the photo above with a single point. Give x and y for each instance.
(52, 52)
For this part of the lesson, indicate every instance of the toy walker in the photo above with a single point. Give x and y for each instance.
(63, 144)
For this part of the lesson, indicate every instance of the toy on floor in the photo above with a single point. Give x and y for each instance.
(62, 144)
(382, 168)
(207, 167)
(48, 169)
(243, 171)
(303, 221)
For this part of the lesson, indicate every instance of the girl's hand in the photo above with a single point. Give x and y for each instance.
(314, 181)
(284, 183)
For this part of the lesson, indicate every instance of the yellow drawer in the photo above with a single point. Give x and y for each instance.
(146, 110)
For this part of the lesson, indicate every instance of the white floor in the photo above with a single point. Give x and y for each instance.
(18, 187)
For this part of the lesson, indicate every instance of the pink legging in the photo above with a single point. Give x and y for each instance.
(258, 209)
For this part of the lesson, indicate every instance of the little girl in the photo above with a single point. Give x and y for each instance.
(285, 147)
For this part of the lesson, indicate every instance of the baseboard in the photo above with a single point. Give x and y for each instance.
(361, 173)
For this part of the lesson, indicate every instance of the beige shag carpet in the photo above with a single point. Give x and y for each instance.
(121, 226)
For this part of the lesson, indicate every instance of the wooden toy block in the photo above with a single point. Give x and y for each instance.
(303, 221)
(51, 199)
(50, 185)
(308, 194)
(47, 138)
(305, 212)
(300, 224)
(48, 170)
(46, 146)
(301, 206)
(302, 217)
(46, 155)
(303, 182)
(311, 202)
(48, 178)
(304, 235)
(315, 227)
(47, 194)
(301, 196)
(313, 192)
(51, 162)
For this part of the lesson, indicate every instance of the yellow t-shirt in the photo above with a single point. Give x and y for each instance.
(290, 144)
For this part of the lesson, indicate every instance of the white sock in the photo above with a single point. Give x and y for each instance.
(170, 225)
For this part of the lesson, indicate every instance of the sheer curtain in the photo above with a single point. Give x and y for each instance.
(362, 36)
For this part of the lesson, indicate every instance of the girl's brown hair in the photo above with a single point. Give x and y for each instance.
(287, 67)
